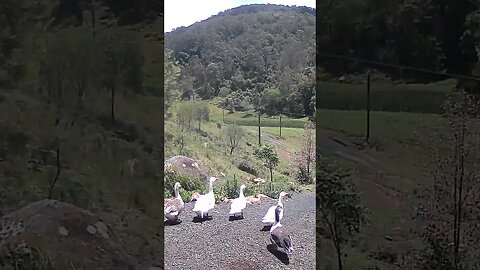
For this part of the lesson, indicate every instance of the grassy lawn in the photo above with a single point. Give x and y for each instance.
(422, 98)
(400, 146)
(251, 119)
(397, 134)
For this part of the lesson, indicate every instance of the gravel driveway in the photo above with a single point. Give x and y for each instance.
(222, 244)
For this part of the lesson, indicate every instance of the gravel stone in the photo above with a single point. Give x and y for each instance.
(222, 244)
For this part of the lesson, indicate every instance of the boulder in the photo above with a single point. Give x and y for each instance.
(64, 233)
(185, 166)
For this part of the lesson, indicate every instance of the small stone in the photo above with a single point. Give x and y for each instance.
(102, 229)
(63, 231)
(91, 229)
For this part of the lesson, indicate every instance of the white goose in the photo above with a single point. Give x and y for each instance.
(239, 203)
(173, 207)
(279, 235)
(269, 218)
(205, 202)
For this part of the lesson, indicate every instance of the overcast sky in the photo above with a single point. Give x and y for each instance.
(187, 12)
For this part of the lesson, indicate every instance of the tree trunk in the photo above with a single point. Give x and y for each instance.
(339, 257)
(199, 125)
(459, 201)
(271, 174)
(231, 150)
(112, 103)
(336, 241)
(57, 175)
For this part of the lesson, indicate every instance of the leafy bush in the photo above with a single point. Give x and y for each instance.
(231, 188)
(189, 185)
(250, 165)
(303, 177)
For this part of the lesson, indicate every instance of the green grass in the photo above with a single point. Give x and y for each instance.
(210, 147)
(397, 134)
(251, 119)
(401, 139)
(421, 98)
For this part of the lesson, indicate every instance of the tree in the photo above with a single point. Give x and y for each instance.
(57, 75)
(268, 155)
(234, 134)
(338, 204)
(305, 158)
(171, 75)
(271, 99)
(201, 112)
(450, 207)
(185, 114)
(83, 71)
(120, 49)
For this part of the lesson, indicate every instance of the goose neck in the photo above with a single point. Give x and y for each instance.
(177, 194)
(210, 186)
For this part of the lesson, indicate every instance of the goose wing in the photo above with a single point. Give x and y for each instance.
(238, 205)
(281, 237)
(201, 204)
(270, 215)
(172, 206)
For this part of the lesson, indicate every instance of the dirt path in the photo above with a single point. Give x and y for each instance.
(333, 146)
(329, 146)
(222, 244)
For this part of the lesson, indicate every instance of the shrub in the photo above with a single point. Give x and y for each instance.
(249, 165)
(303, 177)
(189, 185)
(231, 188)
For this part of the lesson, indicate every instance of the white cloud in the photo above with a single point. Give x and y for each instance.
(186, 12)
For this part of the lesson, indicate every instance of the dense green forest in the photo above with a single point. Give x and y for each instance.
(254, 57)
(80, 117)
(436, 35)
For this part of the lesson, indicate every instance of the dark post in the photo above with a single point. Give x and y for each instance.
(280, 125)
(368, 106)
(259, 139)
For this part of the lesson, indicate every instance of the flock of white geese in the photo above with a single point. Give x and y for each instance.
(279, 235)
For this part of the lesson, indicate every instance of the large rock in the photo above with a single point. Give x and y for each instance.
(185, 166)
(64, 232)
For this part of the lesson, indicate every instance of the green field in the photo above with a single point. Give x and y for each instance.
(398, 141)
(421, 98)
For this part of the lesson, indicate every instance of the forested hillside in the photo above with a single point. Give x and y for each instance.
(253, 57)
(437, 35)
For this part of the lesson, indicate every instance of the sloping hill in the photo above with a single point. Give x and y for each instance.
(243, 52)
